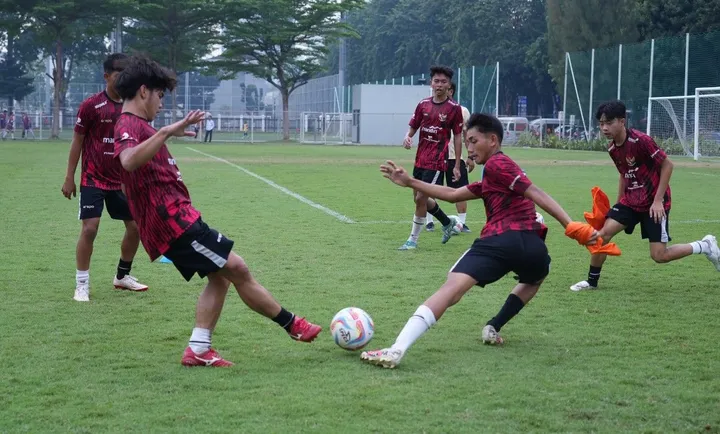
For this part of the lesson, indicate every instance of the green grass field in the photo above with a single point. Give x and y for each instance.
(639, 355)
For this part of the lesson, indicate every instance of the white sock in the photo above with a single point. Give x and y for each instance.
(416, 326)
(462, 216)
(700, 247)
(82, 277)
(200, 340)
(429, 218)
(418, 224)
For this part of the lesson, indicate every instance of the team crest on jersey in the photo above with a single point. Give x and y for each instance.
(443, 117)
(630, 161)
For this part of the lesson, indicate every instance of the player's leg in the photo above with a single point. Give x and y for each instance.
(91, 207)
(420, 201)
(659, 235)
(531, 263)
(118, 209)
(618, 219)
(433, 208)
(199, 351)
(477, 266)
(464, 180)
(259, 299)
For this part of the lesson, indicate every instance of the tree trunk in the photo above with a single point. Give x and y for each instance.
(55, 132)
(286, 113)
(9, 62)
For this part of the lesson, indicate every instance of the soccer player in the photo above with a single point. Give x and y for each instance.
(10, 127)
(3, 123)
(511, 241)
(450, 168)
(435, 117)
(169, 224)
(643, 195)
(100, 182)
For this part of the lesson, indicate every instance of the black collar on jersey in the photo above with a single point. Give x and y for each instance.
(110, 99)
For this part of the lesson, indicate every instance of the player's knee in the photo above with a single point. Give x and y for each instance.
(237, 268)
(659, 256)
(89, 231)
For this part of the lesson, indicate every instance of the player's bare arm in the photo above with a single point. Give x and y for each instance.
(398, 175)
(657, 210)
(137, 156)
(69, 189)
(457, 143)
(547, 203)
(407, 142)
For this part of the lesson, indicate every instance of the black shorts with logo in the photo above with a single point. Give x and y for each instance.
(463, 181)
(93, 200)
(491, 258)
(651, 231)
(200, 250)
(428, 175)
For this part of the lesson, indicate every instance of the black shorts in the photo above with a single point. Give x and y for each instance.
(200, 250)
(428, 175)
(653, 232)
(92, 201)
(463, 181)
(491, 258)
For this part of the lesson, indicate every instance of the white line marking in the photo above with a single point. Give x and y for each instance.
(469, 222)
(703, 174)
(302, 199)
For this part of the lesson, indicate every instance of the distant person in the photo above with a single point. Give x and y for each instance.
(209, 127)
(27, 126)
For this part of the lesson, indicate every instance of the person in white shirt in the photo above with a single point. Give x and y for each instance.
(464, 169)
(209, 127)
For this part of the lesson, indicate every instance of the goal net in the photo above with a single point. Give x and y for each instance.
(320, 127)
(687, 124)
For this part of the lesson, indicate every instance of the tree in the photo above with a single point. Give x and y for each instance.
(55, 24)
(176, 33)
(20, 52)
(282, 41)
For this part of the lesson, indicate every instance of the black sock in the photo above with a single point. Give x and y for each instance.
(284, 319)
(512, 306)
(123, 268)
(439, 214)
(594, 276)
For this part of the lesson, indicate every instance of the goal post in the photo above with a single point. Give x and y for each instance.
(325, 128)
(691, 122)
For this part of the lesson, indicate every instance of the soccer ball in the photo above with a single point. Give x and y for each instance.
(352, 328)
(458, 227)
(539, 218)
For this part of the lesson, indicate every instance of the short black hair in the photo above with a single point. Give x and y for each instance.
(453, 89)
(612, 110)
(115, 62)
(486, 124)
(141, 70)
(439, 69)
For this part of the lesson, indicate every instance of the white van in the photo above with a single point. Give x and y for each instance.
(514, 127)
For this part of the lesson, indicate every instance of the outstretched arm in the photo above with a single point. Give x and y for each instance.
(399, 176)
(548, 204)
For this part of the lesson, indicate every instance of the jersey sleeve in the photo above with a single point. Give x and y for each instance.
(505, 174)
(85, 118)
(653, 151)
(476, 188)
(125, 137)
(457, 120)
(416, 118)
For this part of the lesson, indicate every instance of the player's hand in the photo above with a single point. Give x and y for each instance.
(179, 128)
(470, 165)
(593, 238)
(395, 173)
(456, 173)
(657, 211)
(407, 143)
(69, 189)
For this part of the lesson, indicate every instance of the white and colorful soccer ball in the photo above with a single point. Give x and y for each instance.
(459, 226)
(539, 218)
(352, 328)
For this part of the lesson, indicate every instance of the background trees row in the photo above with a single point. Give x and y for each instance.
(287, 42)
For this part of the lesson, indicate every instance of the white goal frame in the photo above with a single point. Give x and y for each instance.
(682, 130)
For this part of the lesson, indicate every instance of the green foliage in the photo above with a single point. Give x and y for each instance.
(282, 41)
